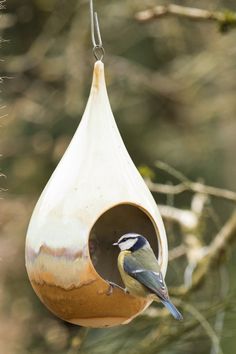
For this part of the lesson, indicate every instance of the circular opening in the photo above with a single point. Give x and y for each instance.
(110, 226)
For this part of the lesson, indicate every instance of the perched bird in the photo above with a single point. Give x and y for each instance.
(140, 271)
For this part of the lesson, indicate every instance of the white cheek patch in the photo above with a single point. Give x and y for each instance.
(126, 245)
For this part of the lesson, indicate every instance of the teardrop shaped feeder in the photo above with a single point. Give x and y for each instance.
(94, 196)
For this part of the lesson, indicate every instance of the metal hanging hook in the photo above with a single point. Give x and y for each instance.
(98, 49)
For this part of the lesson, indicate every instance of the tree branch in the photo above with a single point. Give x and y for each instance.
(186, 184)
(195, 187)
(222, 240)
(176, 252)
(186, 218)
(226, 19)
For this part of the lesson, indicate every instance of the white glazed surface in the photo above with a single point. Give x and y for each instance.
(95, 174)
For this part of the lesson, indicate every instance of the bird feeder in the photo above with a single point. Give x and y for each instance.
(94, 196)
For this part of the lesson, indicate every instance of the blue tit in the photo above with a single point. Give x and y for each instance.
(140, 271)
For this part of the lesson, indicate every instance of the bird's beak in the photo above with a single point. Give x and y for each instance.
(115, 244)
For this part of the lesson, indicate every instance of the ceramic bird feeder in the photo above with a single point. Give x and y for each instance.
(94, 196)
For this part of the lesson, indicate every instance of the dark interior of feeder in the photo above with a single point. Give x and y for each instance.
(110, 226)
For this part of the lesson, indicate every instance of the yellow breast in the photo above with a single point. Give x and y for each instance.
(132, 285)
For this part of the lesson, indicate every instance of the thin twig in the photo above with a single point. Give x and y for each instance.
(205, 325)
(186, 218)
(194, 187)
(45, 40)
(222, 240)
(178, 10)
(176, 252)
(161, 336)
(186, 185)
(225, 19)
(220, 316)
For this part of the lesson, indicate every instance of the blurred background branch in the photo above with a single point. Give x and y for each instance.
(187, 185)
(225, 19)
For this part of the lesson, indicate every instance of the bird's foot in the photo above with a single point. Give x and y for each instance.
(114, 285)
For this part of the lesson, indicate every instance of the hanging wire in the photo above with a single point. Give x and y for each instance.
(98, 49)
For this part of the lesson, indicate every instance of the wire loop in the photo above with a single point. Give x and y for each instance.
(98, 49)
(98, 52)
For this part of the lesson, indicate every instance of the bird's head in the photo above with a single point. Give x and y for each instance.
(132, 242)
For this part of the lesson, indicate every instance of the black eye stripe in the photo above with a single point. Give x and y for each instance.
(127, 239)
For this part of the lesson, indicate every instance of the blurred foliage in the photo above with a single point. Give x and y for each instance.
(172, 87)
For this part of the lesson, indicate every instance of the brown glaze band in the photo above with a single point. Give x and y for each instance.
(72, 290)
(90, 304)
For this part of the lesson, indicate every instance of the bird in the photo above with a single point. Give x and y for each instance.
(140, 271)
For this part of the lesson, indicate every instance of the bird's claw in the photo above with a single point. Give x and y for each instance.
(114, 285)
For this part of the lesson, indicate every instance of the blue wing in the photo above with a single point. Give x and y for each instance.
(153, 280)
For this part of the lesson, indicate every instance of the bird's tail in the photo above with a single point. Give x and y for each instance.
(173, 310)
